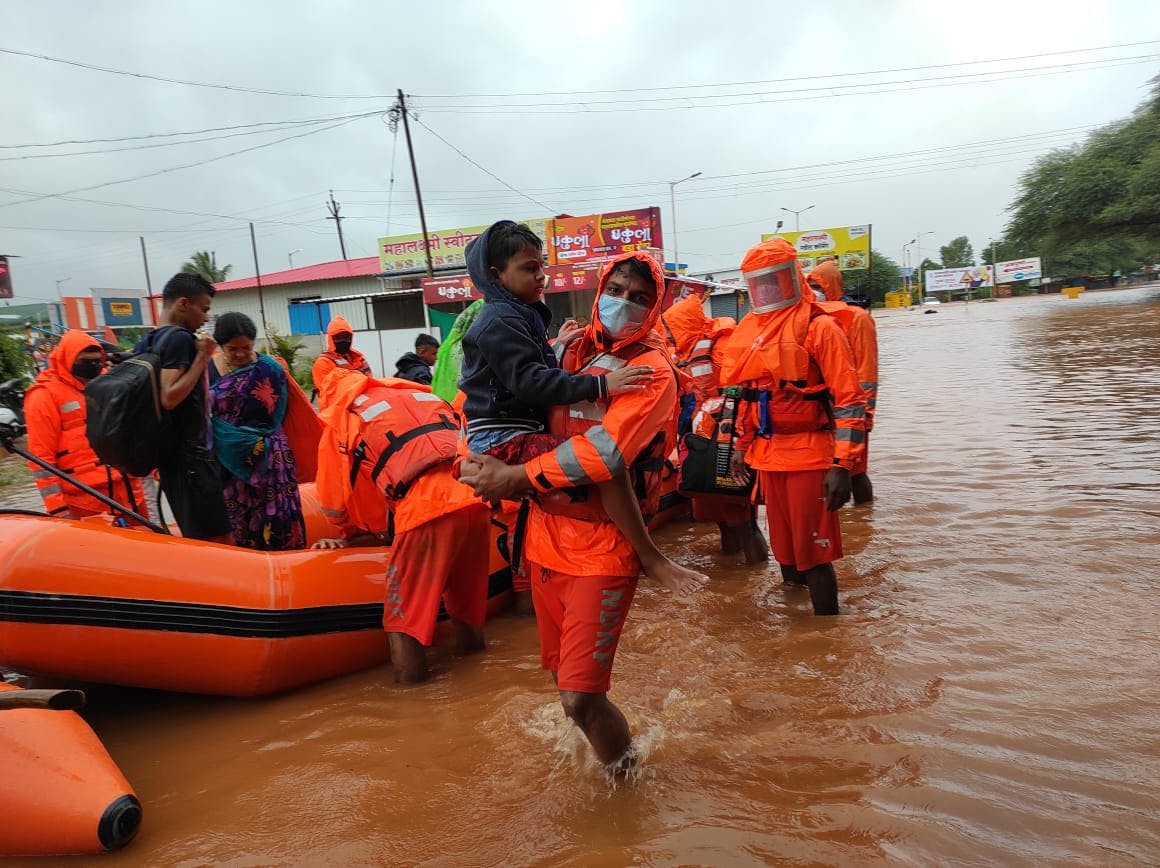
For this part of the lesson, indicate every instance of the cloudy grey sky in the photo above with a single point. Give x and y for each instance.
(598, 106)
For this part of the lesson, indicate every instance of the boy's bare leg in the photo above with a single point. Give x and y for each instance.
(468, 639)
(408, 658)
(619, 502)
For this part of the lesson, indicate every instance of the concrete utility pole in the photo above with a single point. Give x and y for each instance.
(261, 300)
(333, 207)
(401, 109)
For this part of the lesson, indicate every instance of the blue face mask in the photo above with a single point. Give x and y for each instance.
(620, 317)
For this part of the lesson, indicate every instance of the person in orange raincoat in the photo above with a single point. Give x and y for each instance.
(695, 341)
(584, 572)
(338, 353)
(385, 461)
(54, 409)
(862, 333)
(803, 427)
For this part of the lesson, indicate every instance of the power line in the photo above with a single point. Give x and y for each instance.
(65, 193)
(174, 134)
(764, 97)
(231, 87)
(794, 78)
(482, 168)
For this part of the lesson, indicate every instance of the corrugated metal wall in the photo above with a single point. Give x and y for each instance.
(277, 300)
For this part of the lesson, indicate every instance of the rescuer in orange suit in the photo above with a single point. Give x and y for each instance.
(338, 354)
(583, 570)
(396, 441)
(862, 333)
(695, 341)
(803, 427)
(54, 409)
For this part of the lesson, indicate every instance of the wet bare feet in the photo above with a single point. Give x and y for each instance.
(682, 581)
(524, 606)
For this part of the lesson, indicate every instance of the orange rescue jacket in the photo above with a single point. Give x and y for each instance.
(331, 359)
(54, 409)
(627, 429)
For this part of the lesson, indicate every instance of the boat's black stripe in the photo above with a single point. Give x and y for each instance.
(33, 607)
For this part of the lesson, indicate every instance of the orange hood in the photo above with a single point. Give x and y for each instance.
(60, 361)
(829, 280)
(337, 324)
(595, 339)
(686, 323)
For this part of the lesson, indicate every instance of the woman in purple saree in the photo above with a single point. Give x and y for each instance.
(248, 399)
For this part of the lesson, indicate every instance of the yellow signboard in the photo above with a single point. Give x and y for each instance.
(408, 253)
(121, 308)
(850, 245)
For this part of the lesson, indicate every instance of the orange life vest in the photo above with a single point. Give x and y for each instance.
(785, 406)
(404, 434)
(571, 420)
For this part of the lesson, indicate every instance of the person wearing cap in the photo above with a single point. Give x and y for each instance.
(803, 419)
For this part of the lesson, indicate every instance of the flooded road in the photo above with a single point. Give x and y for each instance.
(988, 696)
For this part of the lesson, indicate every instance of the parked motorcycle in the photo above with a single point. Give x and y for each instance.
(12, 397)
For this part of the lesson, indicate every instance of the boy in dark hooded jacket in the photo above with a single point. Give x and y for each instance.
(510, 377)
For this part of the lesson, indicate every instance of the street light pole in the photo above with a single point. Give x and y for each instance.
(797, 216)
(290, 255)
(60, 302)
(673, 206)
(918, 256)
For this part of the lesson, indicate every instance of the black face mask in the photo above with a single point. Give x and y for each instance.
(87, 370)
(342, 347)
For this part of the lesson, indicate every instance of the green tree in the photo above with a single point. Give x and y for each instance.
(204, 262)
(883, 276)
(957, 254)
(284, 346)
(14, 361)
(1094, 208)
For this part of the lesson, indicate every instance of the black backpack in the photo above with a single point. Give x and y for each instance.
(126, 424)
(705, 469)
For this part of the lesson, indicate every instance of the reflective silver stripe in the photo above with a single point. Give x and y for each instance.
(70, 406)
(869, 386)
(42, 474)
(857, 411)
(49, 490)
(333, 513)
(606, 448)
(374, 410)
(703, 346)
(570, 464)
(849, 435)
(586, 410)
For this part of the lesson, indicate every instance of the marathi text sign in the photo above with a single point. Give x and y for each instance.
(122, 312)
(850, 245)
(408, 253)
(5, 278)
(597, 237)
(560, 278)
(953, 279)
(1018, 269)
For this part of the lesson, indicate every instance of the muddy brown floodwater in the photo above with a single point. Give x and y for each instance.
(988, 696)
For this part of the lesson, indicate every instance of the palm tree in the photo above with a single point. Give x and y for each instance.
(204, 262)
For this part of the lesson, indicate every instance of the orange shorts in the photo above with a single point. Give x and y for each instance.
(730, 511)
(446, 558)
(802, 532)
(579, 620)
(862, 465)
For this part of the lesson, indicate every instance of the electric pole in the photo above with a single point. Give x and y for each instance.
(333, 207)
(401, 109)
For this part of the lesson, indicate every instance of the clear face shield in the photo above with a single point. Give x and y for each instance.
(774, 288)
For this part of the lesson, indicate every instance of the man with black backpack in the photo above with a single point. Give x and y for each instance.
(190, 477)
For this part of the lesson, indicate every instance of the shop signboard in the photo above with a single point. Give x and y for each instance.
(957, 279)
(600, 237)
(1018, 269)
(400, 253)
(850, 245)
(560, 278)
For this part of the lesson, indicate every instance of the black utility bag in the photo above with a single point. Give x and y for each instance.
(705, 468)
(126, 424)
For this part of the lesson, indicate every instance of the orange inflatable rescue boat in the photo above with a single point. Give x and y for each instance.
(60, 793)
(85, 601)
